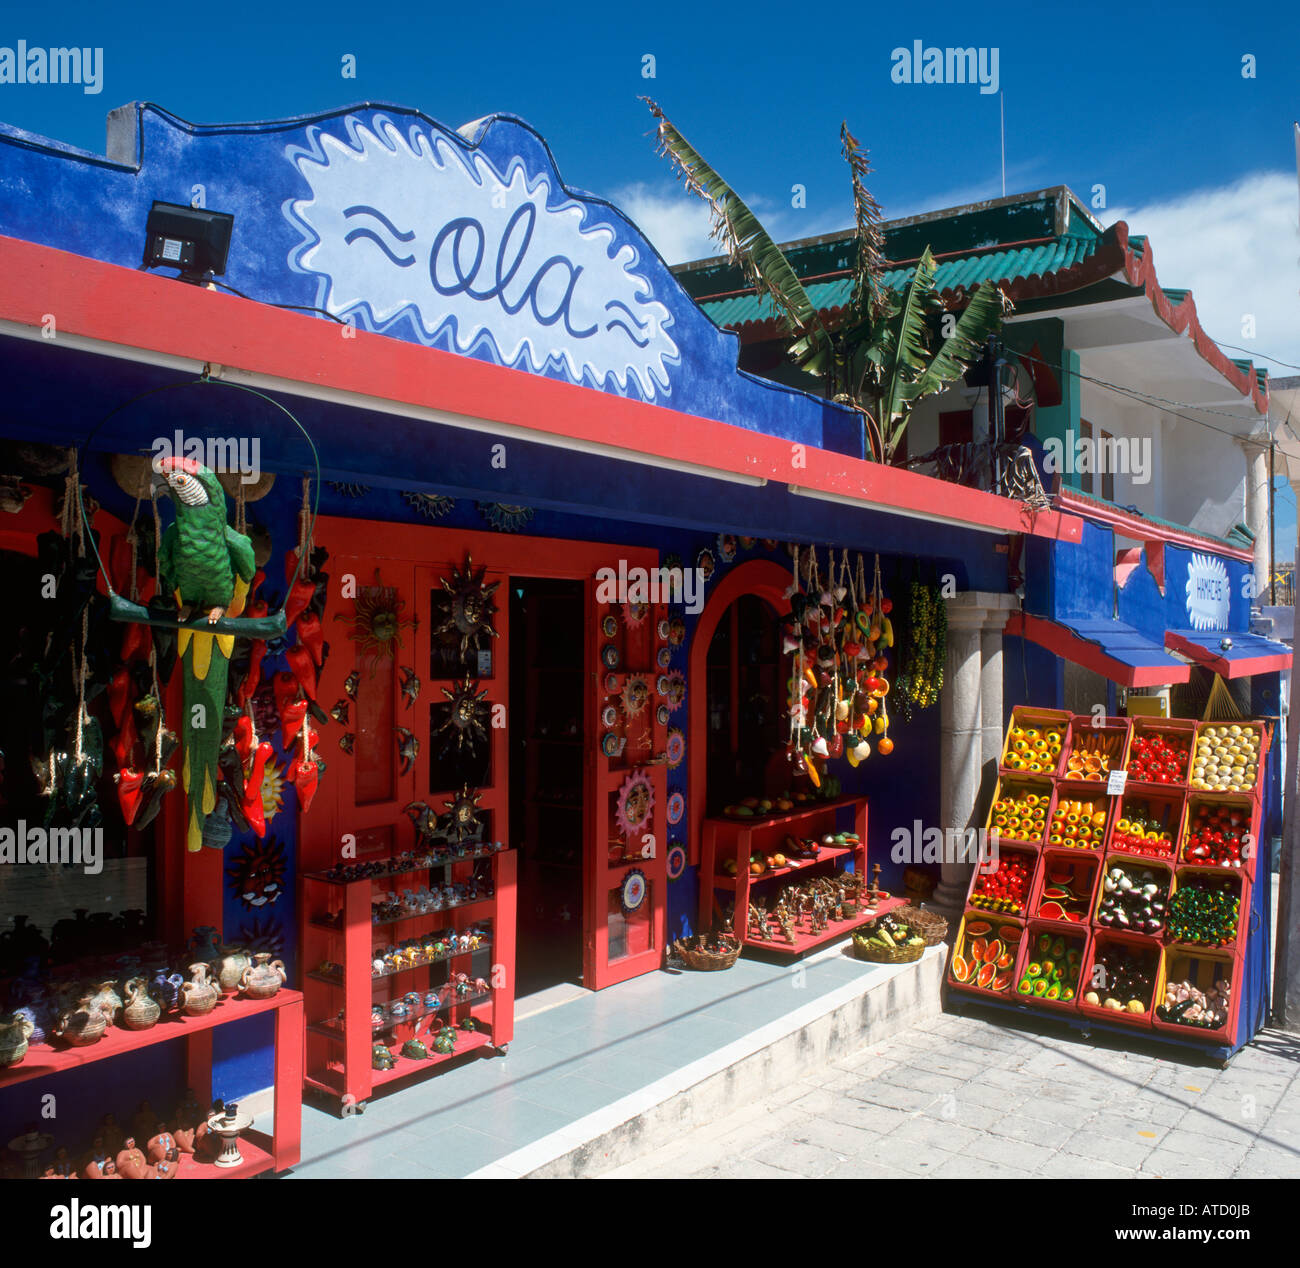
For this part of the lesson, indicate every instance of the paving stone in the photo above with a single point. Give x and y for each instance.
(744, 1169)
(1224, 1155)
(865, 1169)
(1206, 1122)
(965, 1167)
(842, 1137)
(925, 1131)
(1149, 1107)
(970, 1113)
(1263, 1162)
(891, 1094)
(1118, 1127)
(923, 1080)
(1074, 1167)
(1020, 1154)
(809, 1161)
(1099, 1147)
(953, 1066)
(1169, 1165)
(880, 1120)
(1036, 1131)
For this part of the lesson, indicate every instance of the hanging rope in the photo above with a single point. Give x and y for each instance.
(83, 670)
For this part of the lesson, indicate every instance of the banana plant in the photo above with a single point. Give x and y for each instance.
(881, 359)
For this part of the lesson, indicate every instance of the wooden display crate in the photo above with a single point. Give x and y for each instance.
(1185, 874)
(1104, 942)
(1074, 936)
(1071, 791)
(1202, 969)
(1027, 718)
(1029, 855)
(1086, 865)
(1164, 803)
(1183, 729)
(1084, 738)
(1251, 811)
(1263, 733)
(962, 951)
(1164, 876)
(1016, 786)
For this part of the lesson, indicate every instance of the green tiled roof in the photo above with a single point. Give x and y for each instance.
(964, 272)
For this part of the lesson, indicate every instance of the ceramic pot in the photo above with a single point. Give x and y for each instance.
(204, 944)
(200, 994)
(142, 1010)
(230, 966)
(264, 978)
(15, 1030)
(108, 1001)
(166, 989)
(83, 1025)
(37, 1011)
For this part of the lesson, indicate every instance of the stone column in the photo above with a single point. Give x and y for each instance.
(970, 727)
(1256, 511)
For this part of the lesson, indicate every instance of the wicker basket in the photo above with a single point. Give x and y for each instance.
(694, 956)
(886, 955)
(929, 924)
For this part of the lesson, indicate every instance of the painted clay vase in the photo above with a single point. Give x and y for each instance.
(200, 994)
(81, 1026)
(142, 1010)
(166, 989)
(231, 965)
(15, 1030)
(37, 1011)
(264, 978)
(108, 1001)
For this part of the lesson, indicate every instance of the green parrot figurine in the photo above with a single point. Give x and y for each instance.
(208, 567)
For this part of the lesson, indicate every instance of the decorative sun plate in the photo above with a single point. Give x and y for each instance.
(636, 800)
(467, 718)
(675, 689)
(634, 614)
(632, 892)
(676, 748)
(506, 517)
(676, 808)
(707, 563)
(676, 861)
(636, 695)
(472, 606)
(726, 548)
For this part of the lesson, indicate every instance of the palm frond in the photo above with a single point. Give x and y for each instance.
(741, 234)
(979, 319)
(907, 357)
(869, 266)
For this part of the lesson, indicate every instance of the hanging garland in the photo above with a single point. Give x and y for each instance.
(921, 676)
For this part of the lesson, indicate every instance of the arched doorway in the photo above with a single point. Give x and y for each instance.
(735, 658)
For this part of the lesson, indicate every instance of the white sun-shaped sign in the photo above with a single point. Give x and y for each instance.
(1209, 593)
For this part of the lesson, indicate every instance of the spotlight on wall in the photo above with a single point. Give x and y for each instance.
(192, 239)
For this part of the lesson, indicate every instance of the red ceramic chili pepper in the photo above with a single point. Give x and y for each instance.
(286, 690)
(300, 595)
(123, 742)
(304, 671)
(119, 695)
(291, 720)
(252, 802)
(130, 791)
(243, 735)
(312, 636)
(304, 776)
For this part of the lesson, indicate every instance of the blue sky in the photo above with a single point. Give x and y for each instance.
(1150, 102)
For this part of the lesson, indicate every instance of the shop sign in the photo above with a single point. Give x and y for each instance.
(408, 225)
(1208, 593)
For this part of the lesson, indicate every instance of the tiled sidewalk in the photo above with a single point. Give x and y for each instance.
(975, 1096)
(565, 1063)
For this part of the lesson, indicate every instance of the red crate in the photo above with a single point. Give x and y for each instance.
(1164, 876)
(1183, 729)
(1183, 874)
(1163, 803)
(1104, 941)
(1250, 811)
(1027, 855)
(1263, 734)
(961, 951)
(1016, 786)
(1026, 718)
(1071, 791)
(1109, 738)
(1202, 968)
(1073, 936)
(1086, 867)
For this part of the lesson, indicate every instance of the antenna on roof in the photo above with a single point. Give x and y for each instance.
(1002, 127)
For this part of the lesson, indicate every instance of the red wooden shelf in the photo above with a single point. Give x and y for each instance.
(836, 929)
(261, 1153)
(824, 853)
(802, 811)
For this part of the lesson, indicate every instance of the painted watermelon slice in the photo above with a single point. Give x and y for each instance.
(978, 929)
(1052, 911)
(986, 976)
(961, 968)
(993, 951)
(1056, 893)
(1010, 934)
(1005, 960)
(1059, 875)
(977, 948)
(1001, 981)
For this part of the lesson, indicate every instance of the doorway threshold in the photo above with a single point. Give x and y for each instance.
(549, 997)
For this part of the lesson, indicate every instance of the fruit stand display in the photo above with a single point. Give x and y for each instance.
(1135, 906)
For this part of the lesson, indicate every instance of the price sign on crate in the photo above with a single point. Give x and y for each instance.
(1115, 783)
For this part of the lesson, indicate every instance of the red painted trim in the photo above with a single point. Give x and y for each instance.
(1078, 651)
(1145, 530)
(1243, 667)
(759, 577)
(1127, 562)
(131, 309)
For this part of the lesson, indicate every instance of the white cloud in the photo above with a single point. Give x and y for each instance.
(676, 222)
(1235, 248)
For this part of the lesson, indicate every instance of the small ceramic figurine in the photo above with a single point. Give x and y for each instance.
(445, 1042)
(61, 1168)
(131, 1162)
(415, 1050)
(144, 1122)
(188, 1116)
(381, 1058)
(112, 1134)
(99, 1163)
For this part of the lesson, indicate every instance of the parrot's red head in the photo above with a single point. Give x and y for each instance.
(187, 480)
